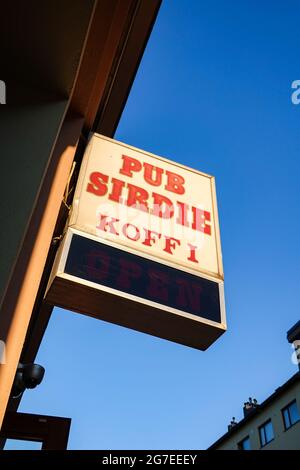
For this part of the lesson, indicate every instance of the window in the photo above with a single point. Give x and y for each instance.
(266, 433)
(244, 444)
(290, 415)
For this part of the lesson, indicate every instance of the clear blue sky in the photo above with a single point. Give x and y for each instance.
(213, 92)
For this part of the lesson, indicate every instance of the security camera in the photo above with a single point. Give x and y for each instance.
(27, 376)
(32, 375)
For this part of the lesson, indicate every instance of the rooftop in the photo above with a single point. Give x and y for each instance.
(257, 410)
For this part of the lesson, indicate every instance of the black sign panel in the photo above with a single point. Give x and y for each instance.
(108, 266)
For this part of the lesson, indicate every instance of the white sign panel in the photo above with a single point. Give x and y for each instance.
(149, 204)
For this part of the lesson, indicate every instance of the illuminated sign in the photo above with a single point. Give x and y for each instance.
(142, 248)
(149, 204)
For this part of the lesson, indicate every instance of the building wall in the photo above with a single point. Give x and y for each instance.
(43, 43)
(283, 440)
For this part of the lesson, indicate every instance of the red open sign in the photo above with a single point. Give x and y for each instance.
(109, 283)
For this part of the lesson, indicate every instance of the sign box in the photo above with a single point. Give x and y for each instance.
(142, 247)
